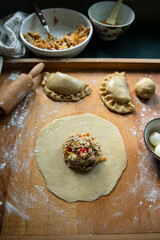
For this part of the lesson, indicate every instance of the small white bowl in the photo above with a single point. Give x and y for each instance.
(101, 11)
(152, 126)
(67, 20)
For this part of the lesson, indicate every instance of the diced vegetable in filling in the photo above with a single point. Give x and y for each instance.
(82, 152)
(66, 41)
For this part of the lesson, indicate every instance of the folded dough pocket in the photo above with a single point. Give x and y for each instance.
(114, 93)
(62, 87)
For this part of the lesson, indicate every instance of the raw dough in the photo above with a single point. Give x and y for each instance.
(145, 88)
(114, 93)
(69, 184)
(62, 87)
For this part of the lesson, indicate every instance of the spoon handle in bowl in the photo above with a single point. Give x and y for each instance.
(112, 18)
(40, 15)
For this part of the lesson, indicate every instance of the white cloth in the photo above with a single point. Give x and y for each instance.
(10, 43)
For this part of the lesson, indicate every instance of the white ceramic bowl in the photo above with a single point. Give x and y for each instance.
(152, 126)
(101, 11)
(67, 20)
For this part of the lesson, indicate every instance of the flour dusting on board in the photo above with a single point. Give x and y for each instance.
(20, 200)
(14, 75)
(2, 166)
(35, 195)
(12, 209)
(147, 175)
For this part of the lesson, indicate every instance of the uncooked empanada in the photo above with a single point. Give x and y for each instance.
(62, 87)
(114, 93)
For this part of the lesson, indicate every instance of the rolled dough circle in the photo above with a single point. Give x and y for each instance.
(67, 183)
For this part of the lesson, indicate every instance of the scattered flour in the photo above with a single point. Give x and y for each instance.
(11, 209)
(133, 130)
(20, 200)
(135, 218)
(55, 111)
(152, 196)
(14, 75)
(145, 180)
(118, 214)
(42, 193)
(39, 197)
(2, 166)
(94, 81)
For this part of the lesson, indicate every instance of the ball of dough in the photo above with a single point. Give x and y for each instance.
(145, 88)
(157, 150)
(154, 138)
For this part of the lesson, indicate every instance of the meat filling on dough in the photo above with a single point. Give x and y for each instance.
(82, 152)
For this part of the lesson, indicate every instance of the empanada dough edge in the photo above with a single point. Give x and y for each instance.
(114, 93)
(83, 89)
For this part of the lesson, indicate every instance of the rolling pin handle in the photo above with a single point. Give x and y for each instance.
(36, 70)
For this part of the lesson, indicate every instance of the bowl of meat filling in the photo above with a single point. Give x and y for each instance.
(70, 32)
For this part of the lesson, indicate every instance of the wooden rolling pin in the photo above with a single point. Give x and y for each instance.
(18, 89)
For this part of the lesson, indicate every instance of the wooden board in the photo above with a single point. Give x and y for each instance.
(28, 210)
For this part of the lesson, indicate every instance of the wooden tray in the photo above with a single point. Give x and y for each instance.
(28, 209)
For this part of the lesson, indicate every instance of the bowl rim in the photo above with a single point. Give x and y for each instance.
(108, 25)
(156, 156)
(61, 50)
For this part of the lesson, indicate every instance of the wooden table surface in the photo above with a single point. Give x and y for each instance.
(27, 209)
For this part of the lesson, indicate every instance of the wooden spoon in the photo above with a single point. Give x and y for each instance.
(112, 18)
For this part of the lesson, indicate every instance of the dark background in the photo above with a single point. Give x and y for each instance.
(141, 40)
(147, 11)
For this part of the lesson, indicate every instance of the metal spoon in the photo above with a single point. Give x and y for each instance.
(112, 18)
